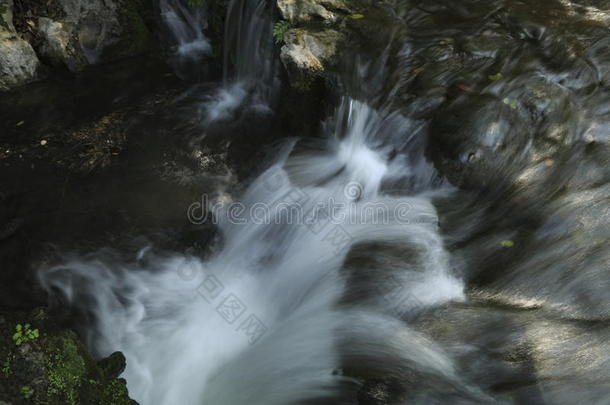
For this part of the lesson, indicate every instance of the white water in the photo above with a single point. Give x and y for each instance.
(287, 276)
(186, 26)
(250, 81)
(249, 68)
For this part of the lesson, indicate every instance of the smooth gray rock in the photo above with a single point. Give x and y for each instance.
(18, 61)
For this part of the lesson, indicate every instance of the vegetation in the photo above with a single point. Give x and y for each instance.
(27, 392)
(49, 366)
(24, 333)
(279, 31)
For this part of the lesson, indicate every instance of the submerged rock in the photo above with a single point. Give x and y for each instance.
(44, 364)
(522, 354)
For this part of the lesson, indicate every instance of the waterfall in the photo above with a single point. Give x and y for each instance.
(249, 47)
(292, 297)
(250, 75)
(186, 24)
(269, 309)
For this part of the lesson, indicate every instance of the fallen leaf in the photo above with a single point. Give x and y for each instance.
(495, 77)
(549, 162)
(507, 243)
(20, 123)
(465, 88)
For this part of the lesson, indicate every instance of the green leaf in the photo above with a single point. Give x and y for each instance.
(507, 243)
(356, 16)
(279, 31)
(495, 77)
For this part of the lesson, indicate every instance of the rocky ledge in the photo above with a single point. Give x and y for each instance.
(72, 34)
(41, 363)
(313, 35)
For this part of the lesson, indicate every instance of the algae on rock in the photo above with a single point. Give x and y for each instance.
(53, 368)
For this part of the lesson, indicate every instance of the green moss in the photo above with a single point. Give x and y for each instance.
(66, 370)
(116, 393)
(136, 37)
(6, 365)
(55, 368)
(27, 392)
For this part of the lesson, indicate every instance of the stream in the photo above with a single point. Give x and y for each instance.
(439, 237)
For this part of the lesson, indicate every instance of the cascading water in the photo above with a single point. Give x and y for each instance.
(186, 25)
(249, 69)
(346, 270)
(269, 309)
(249, 49)
(250, 75)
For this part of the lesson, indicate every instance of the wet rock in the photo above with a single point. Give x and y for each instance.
(485, 46)
(87, 32)
(41, 363)
(56, 46)
(69, 33)
(113, 365)
(479, 139)
(523, 354)
(307, 54)
(308, 10)
(18, 61)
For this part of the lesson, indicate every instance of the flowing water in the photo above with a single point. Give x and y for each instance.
(186, 27)
(350, 262)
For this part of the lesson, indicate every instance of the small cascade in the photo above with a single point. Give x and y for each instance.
(250, 75)
(190, 328)
(186, 24)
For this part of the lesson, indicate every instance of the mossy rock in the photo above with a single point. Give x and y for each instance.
(136, 39)
(48, 365)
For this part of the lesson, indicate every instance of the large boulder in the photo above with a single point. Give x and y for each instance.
(311, 45)
(70, 34)
(82, 33)
(18, 61)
